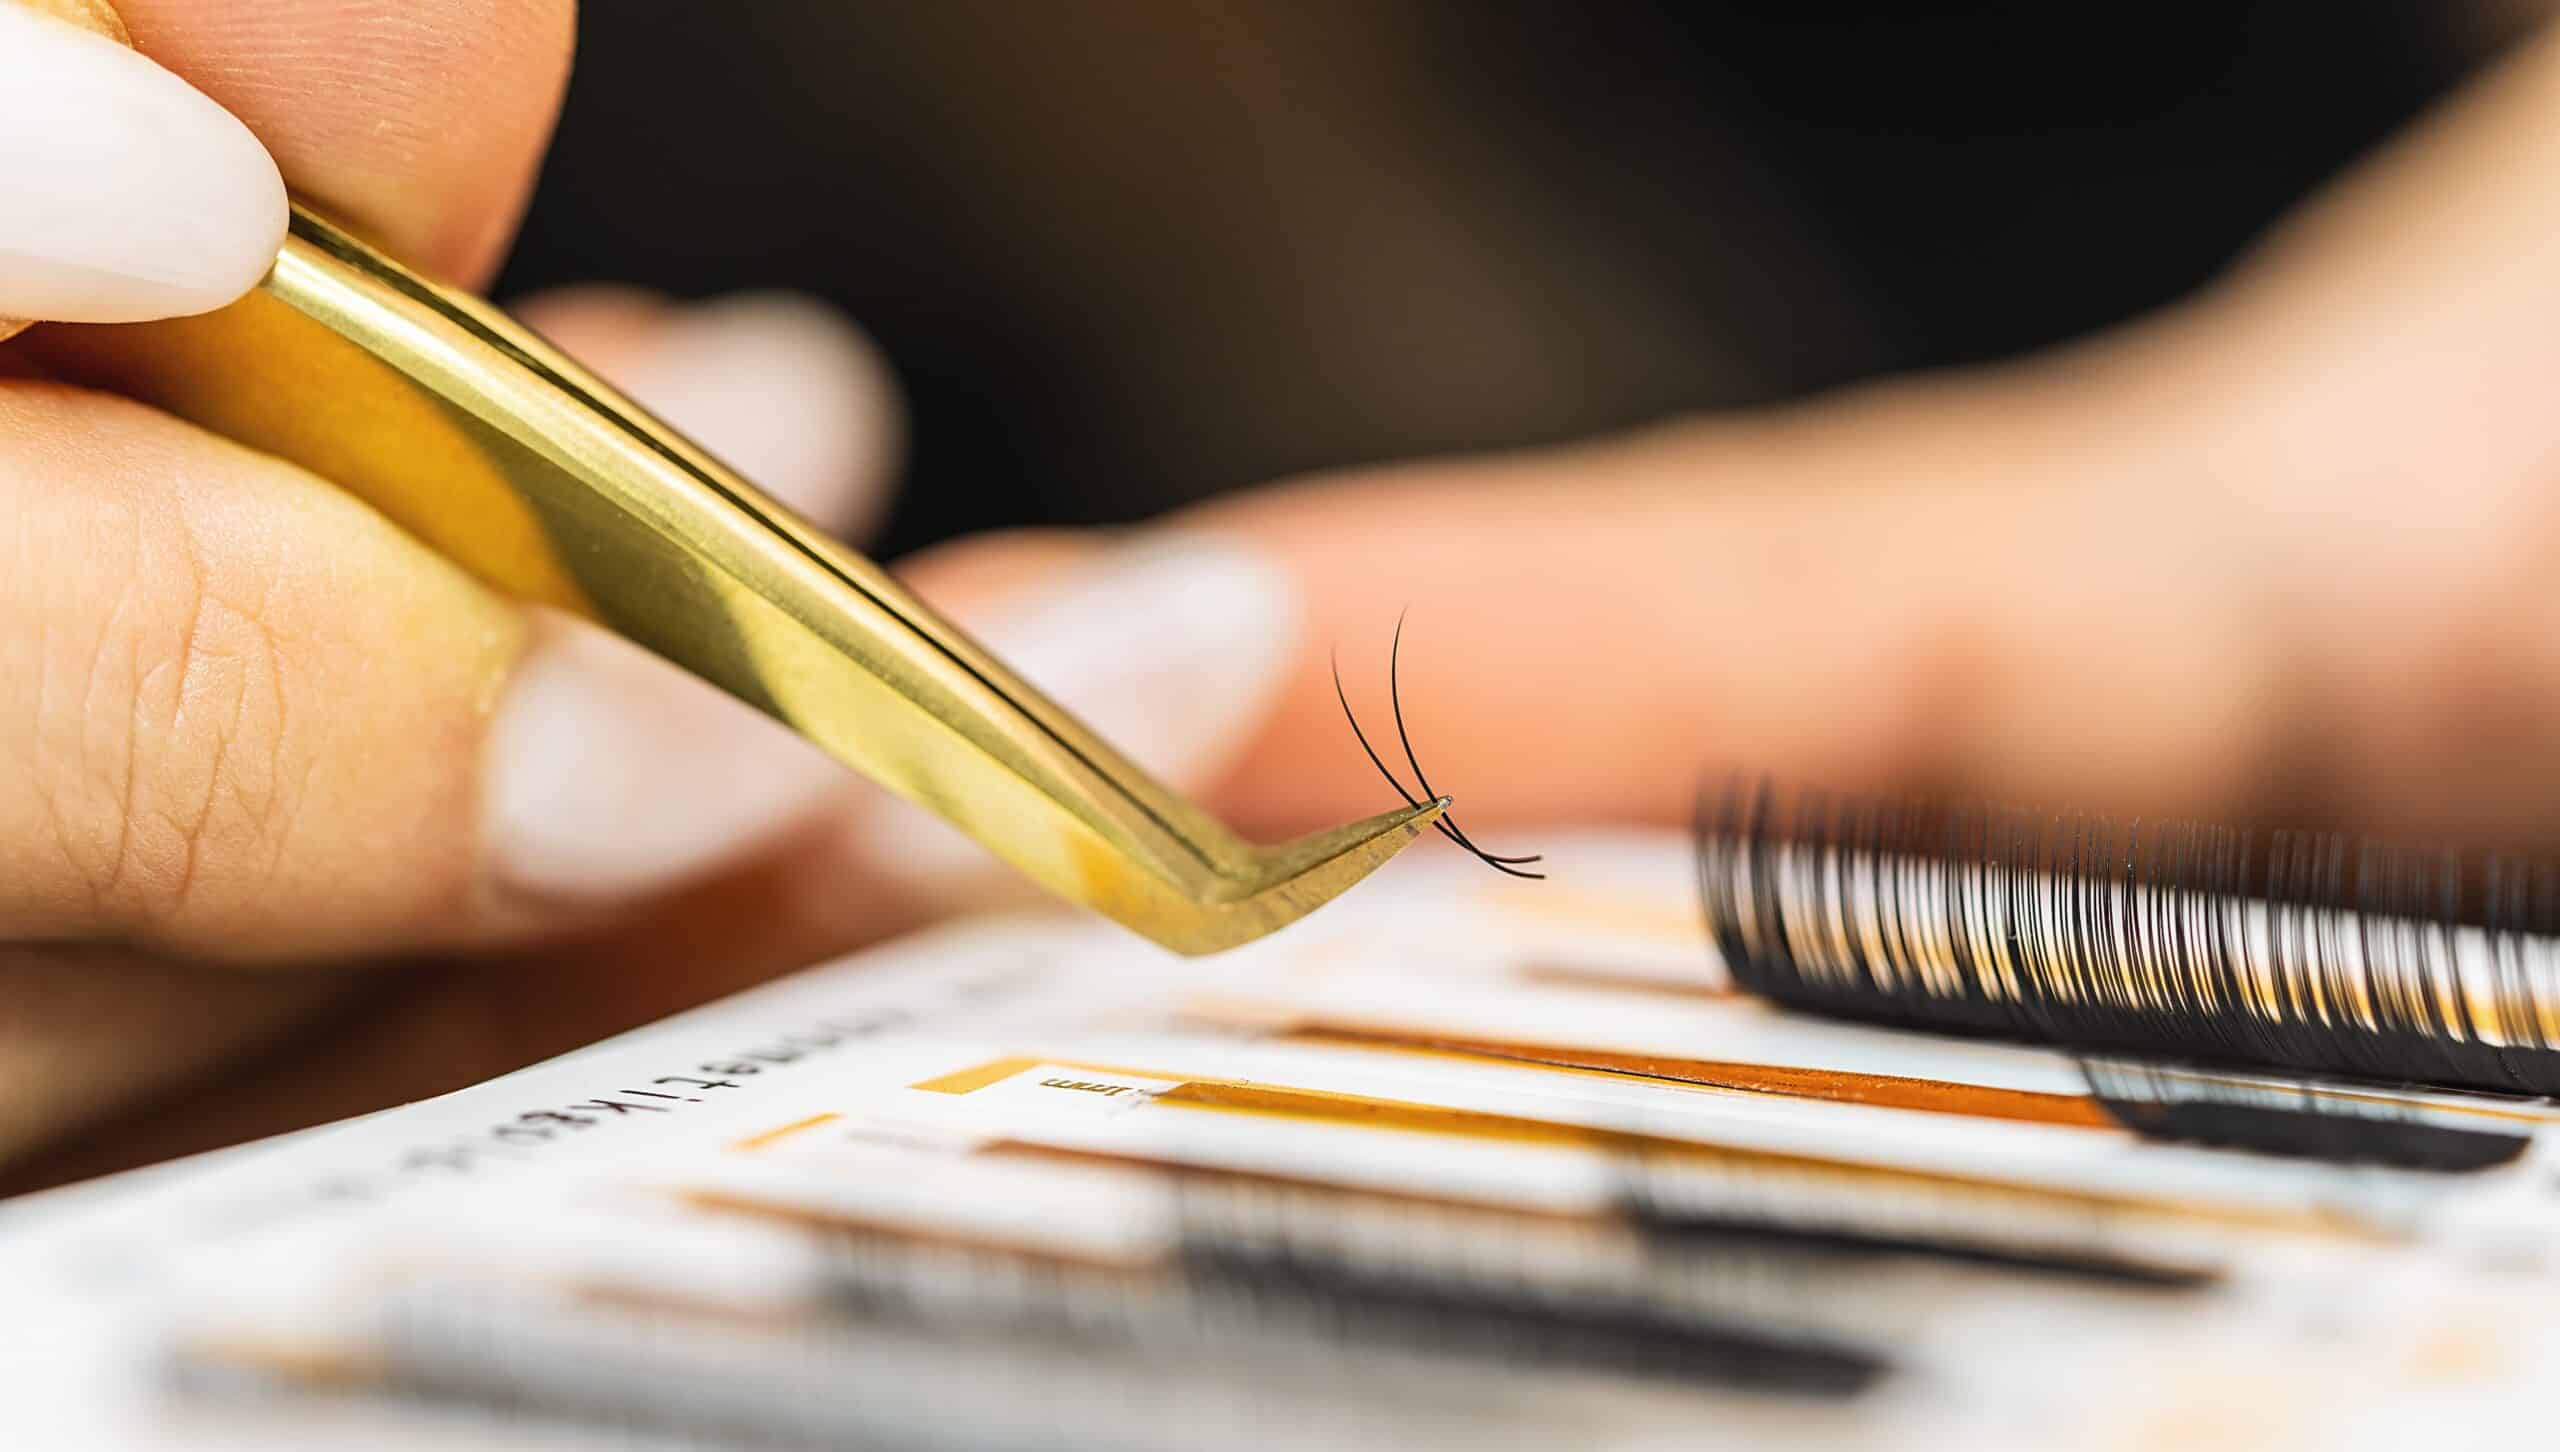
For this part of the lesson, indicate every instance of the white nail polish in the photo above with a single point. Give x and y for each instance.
(1174, 650)
(786, 392)
(611, 774)
(125, 194)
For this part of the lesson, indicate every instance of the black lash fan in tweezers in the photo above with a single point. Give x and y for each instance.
(2289, 950)
(1513, 866)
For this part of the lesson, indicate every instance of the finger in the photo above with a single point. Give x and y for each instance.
(2004, 588)
(124, 193)
(808, 409)
(1060, 607)
(419, 122)
(93, 1032)
(1589, 627)
(352, 1047)
(2244, 560)
(1173, 650)
(787, 389)
(1980, 591)
(170, 1024)
(1171, 647)
(847, 879)
(248, 719)
(1852, 595)
(111, 1034)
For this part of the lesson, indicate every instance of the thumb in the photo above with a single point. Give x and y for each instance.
(125, 194)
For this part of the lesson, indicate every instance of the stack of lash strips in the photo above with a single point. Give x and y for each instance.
(1016, 1276)
(1356, 1320)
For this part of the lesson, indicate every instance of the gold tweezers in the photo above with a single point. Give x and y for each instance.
(501, 453)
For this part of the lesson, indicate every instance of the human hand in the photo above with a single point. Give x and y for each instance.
(255, 744)
(2274, 552)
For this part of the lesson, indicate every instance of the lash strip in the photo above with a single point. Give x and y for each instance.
(2295, 1120)
(2289, 950)
(1255, 1268)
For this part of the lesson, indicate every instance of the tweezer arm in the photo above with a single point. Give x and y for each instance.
(510, 459)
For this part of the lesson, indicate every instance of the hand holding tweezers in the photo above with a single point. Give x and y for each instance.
(507, 457)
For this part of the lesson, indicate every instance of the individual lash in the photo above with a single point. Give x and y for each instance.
(1445, 825)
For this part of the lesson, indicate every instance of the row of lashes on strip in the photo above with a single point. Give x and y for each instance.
(1715, 1278)
(2289, 950)
(2293, 950)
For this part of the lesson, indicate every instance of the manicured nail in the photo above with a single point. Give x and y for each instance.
(611, 774)
(125, 194)
(1173, 649)
(786, 392)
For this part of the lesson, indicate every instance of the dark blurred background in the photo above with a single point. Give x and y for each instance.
(1128, 253)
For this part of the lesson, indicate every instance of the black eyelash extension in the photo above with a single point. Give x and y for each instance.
(960, 1344)
(661, 1372)
(1491, 1324)
(1258, 1270)
(2295, 1119)
(2288, 950)
(1674, 1228)
(1448, 828)
(2018, 1229)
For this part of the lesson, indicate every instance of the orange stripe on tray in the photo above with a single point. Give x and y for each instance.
(1839, 1086)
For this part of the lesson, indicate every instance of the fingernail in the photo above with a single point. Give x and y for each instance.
(125, 194)
(1173, 650)
(611, 774)
(784, 390)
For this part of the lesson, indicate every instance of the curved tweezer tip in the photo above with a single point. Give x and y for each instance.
(1304, 875)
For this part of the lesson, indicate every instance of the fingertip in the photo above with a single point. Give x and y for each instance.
(125, 194)
(611, 777)
(602, 324)
(1173, 646)
(418, 122)
(782, 387)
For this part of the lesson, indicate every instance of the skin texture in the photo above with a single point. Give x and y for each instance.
(194, 681)
(248, 718)
(2278, 551)
(91, 15)
(190, 731)
(421, 122)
